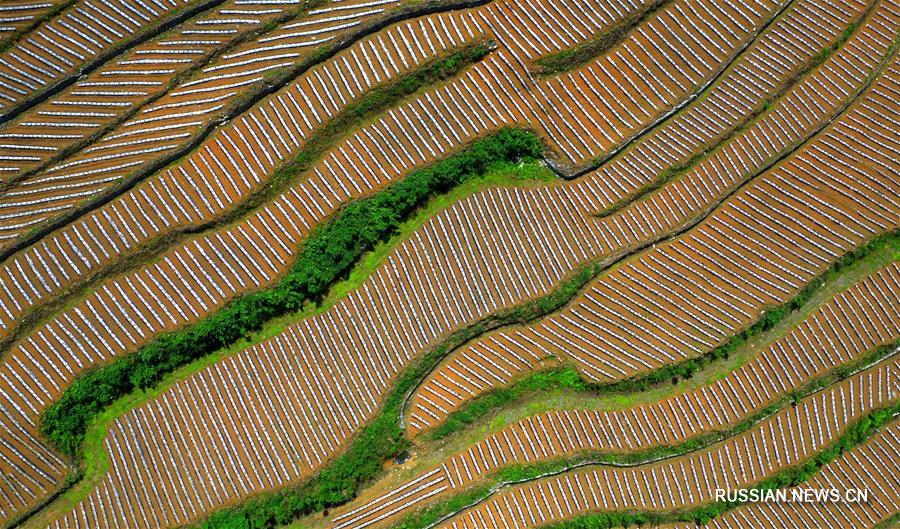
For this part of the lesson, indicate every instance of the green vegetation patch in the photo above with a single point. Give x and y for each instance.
(326, 257)
(562, 378)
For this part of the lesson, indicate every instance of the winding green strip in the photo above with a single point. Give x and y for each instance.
(569, 378)
(854, 435)
(326, 257)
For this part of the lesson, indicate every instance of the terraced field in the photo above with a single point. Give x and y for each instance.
(452, 263)
(811, 350)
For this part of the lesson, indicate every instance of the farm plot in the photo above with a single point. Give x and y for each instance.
(95, 336)
(102, 98)
(160, 127)
(853, 323)
(769, 64)
(871, 467)
(593, 334)
(18, 15)
(594, 109)
(328, 372)
(31, 470)
(814, 100)
(785, 439)
(683, 482)
(268, 130)
(58, 48)
(643, 79)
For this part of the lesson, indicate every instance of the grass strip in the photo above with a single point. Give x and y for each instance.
(569, 378)
(891, 522)
(326, 257)
(855, 434)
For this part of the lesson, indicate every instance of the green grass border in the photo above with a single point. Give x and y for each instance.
(856, 433)
(567, 377)
(572, 58)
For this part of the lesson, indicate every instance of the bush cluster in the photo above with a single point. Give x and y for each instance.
(563, 378)
(326, 257)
